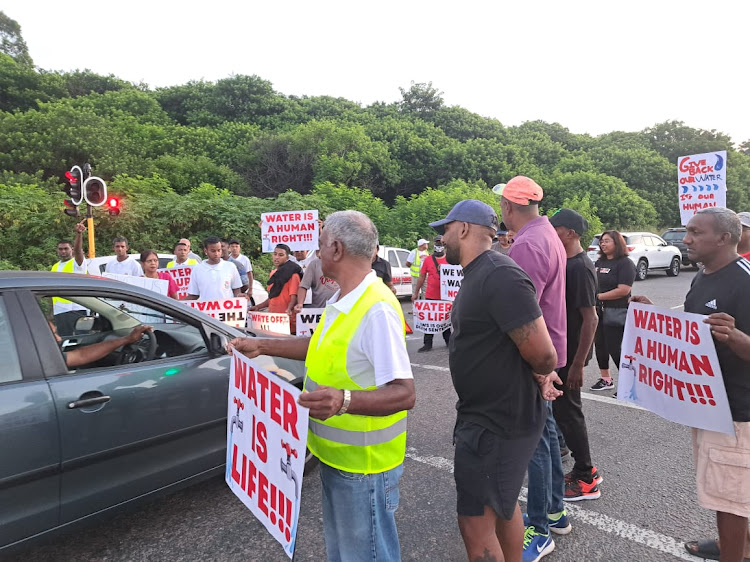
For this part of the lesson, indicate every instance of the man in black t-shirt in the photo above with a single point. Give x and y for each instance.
(499, 341)
(580, 301)
(721, 290)
(382, 269)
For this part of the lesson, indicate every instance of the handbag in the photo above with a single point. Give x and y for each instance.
(615, 317)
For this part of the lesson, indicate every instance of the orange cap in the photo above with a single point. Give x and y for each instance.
(521, 190)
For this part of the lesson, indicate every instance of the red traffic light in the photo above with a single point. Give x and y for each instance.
(113, 205)
(72, 178)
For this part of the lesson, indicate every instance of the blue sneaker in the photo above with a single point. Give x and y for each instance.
(536, 545)
(560, 525)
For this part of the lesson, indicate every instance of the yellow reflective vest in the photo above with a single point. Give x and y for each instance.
(59, 267)
(417, 265)
(349, 442)
(173, 263)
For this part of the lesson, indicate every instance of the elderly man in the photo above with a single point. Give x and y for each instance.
(499, 342)
(721, 291)
(358, 387)
(414, 262)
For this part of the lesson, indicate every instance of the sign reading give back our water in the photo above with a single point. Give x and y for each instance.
(703, 182)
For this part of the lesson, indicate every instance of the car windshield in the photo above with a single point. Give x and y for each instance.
(673, 236)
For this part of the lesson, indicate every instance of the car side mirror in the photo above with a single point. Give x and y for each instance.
(218, 344)
(84, 324)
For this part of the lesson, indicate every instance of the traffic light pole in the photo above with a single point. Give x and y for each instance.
(90, 226)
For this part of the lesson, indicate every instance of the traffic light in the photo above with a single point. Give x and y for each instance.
(113, 206)
(95, 191)
(74, 190)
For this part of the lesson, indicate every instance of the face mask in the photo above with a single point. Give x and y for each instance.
(439, 249)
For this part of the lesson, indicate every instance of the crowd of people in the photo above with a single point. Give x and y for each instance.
(531, 308)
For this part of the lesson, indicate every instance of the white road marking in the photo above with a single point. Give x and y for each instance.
(657, 541)
(585, 395)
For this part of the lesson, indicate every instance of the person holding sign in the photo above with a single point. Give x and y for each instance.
(70, 260)
(431, 272)
(414, 261)
(282, 285)
(615, 274)
(358, 387)
(721, 291)
(499, 342)
(214, 278)
(150, 263)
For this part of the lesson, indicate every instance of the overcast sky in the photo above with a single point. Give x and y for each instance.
(592, 66)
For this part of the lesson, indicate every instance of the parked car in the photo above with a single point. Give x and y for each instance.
(147, 419)
(647, 251)
(674, 237)
(97, 265)
(400, 274)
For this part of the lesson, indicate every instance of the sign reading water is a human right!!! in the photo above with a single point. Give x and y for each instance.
(669, 366)
(296, 229)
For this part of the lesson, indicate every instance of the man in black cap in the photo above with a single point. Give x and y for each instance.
(499, 342)
(503, 242)
(580, 300)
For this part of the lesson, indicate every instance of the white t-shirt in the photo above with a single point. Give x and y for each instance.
(125, 267)
(245, 261)
(214, 282)
(61, 307)
(412, 257)
(377, 352)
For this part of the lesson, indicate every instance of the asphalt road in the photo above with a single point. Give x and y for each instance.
(647, 510)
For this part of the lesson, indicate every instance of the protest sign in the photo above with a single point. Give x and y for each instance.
(308, 320)
(450, 281)
(432, 317)
(141, 313)
(669, 366)
(266, 447)
(181, 275)
(276, 322)
(702, 182)
(156, 285)
(232, 312)
(296, 229)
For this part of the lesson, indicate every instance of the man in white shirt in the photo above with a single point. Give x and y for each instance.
(123, 264)
(214, 278)
(358, 387)
(302, 259)
(414, 263)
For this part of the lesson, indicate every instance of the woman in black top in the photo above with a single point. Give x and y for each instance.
(615, 275)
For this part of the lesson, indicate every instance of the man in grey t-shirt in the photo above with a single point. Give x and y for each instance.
(322, 287)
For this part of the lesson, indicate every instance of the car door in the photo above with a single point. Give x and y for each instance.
(29, 438)
(131, 429)
(663, 257)
(396, 275)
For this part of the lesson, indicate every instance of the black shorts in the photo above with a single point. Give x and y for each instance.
(489, 469)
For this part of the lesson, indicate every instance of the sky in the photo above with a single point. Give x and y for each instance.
(592, 66)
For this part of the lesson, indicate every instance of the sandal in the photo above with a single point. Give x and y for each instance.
(707, 549)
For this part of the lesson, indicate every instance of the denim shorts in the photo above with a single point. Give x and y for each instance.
(489, 469)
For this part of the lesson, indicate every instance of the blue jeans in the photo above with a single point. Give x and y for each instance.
(359, 514)
(546, 478)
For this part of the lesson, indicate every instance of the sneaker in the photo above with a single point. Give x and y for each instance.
(569, 477)
(601, 384)
(614, 395)
(536, 545)
(564, 453)
(578, 490)
(424, 348)
(559, 525)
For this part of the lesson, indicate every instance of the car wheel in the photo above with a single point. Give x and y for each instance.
(674, 268)
(641, 270)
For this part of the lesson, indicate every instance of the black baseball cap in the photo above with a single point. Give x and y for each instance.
(570, 219)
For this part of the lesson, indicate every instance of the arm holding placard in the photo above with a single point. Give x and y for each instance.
(260, 306)
(724, 330)
(420, 282)
(291, 348)
(392, 397)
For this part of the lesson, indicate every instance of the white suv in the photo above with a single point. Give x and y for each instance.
(647, 251)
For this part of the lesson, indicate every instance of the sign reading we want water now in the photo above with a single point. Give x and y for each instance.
(450, 281)
(669, 366)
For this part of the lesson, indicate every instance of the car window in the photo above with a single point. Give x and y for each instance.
(392, 259)
(673, 237)
(658, 241)
(11, 370)
(649, 241)
(634, 239)
(103, 319)
(402, 255)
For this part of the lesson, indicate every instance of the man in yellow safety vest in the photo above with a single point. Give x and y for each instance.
(414, 263)
(71, 260)
(358, 385)
(181, 256)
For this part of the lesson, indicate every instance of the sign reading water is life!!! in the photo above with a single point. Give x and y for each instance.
(669, 366)
(450, 281)
(432, 317)
(296, 229)
(266, 446)
(702, 182)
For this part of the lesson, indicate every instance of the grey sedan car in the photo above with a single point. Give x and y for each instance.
(143, 419)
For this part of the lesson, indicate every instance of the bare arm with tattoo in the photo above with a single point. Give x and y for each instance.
(535, 345)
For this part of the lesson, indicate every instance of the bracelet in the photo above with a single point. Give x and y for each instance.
(345, 404)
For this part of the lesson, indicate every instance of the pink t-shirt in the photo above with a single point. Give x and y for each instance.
(541, 254)
(172, 288)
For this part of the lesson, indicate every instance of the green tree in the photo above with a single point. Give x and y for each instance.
(582, 204)
(421, 99)
(11, 41)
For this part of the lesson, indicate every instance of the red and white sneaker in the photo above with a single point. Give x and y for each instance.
(578, 490)
(594, 474)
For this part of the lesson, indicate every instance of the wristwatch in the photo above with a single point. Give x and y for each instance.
(345, 404)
